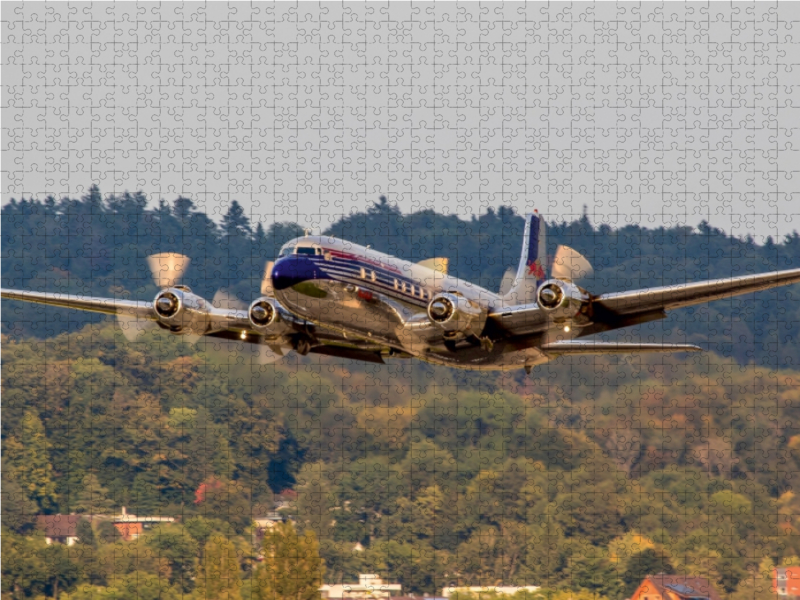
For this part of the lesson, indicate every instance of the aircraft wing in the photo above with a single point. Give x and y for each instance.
(220, 318)
(688, 294)
(108, 306)
(622, 309)
(225, 324)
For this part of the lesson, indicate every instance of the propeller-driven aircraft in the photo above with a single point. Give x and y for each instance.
(328, 296)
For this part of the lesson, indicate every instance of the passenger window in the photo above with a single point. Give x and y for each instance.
(363, 273)
(413, 291)
(372, 275)
(396, 284)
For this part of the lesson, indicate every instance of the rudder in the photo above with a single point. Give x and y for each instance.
(531, 270)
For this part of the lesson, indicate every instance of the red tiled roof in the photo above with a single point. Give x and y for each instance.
(58, 526)
(698, 586)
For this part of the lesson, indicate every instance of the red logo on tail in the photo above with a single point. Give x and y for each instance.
(535, 269)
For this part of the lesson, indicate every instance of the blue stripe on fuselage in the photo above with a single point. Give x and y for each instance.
(291, 270)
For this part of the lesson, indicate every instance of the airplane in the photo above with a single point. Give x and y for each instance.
(329, 296)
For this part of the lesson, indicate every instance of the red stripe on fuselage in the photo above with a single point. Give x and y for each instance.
(361, 259)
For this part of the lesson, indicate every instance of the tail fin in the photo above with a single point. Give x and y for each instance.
(531, 270)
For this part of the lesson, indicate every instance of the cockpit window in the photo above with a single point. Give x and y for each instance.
(306, 251)
(287, 251)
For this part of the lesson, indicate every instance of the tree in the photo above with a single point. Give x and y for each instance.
(59, 571)
(292, 567)
(173, 543)
(107, 533)
(19, 511)
(223, 499)
(235, 222)
(649, 561)
(85, 533)
(219, 576)
(33, 470)
(92, 497)
(23, 570)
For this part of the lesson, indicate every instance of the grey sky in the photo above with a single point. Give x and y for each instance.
(654, 114)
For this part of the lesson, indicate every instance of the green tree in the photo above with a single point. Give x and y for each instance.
(219, 576)
(649, 561)
(59, 571)
(292, 567)
(107, 533)
(22, 567)
(173, 543)
(92, 498)
(85, 533)
(32, 465)
(19, 511)
(224, 499)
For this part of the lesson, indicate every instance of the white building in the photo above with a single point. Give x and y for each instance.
(493, 590)
(368, 586)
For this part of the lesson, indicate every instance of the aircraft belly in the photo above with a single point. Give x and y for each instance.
(342, 306)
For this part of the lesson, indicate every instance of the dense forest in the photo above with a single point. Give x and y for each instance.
(584, 476)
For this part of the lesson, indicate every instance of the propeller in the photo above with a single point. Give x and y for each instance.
(508, 281)
(166, 268)
(266, 282)
(223, 299)
(264, 354)
(570, 265)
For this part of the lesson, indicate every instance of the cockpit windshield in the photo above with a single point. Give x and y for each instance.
(305, 250)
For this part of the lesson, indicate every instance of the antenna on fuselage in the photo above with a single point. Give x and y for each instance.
(306, 232)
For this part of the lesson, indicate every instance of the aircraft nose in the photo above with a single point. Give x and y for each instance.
(291, 270)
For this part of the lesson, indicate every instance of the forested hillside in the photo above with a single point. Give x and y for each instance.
(585, 475)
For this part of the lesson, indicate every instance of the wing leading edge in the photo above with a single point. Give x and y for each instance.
(107, 306)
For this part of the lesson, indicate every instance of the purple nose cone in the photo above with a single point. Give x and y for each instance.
(291, 270)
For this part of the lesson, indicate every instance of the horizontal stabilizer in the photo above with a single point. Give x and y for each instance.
(573, 347)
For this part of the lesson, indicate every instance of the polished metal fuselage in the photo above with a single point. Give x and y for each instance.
(374, 298)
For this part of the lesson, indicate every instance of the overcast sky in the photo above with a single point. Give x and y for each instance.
(658, 114)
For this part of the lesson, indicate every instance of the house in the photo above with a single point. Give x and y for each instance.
(493, 590)
(131, 526)
(59, 529)
(368, 586)
(675, 587)
(786, 582)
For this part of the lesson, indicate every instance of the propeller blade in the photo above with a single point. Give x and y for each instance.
(266, 282)
(167, 268)
(133, 327)
(268, 354)
(223, 299)
(508, 281)
(570, 265)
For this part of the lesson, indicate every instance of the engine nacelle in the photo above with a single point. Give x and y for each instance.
(265, 317)
(457, 315)
(561, 298)
(181, 311)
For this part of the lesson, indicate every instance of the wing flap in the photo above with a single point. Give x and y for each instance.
(573, 347)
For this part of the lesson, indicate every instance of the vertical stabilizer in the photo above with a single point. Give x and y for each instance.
(531, 270)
